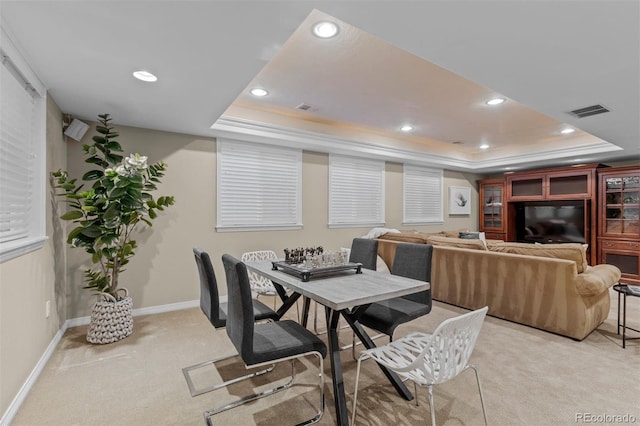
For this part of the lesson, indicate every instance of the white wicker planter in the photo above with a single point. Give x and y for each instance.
(111, 319)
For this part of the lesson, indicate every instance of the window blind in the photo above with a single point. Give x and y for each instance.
(356, 191)
(259, 186)
(20, 159)
(422, 194)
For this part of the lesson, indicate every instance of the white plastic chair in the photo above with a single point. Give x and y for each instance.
(261, 285)
(431, 359)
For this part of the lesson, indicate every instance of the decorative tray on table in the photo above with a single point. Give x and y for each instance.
(305, 273)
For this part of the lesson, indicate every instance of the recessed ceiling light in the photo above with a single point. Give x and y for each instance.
(495, 101)
(567, 131)
(145, 76)
(325, 29)
(406, 128)
(259, 92)
(484, 146)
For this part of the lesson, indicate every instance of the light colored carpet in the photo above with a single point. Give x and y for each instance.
(529, 377)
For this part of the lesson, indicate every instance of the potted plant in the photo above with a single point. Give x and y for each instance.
(107, 205)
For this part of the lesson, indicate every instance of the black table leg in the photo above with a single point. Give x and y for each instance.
(342, 416)
(624, 320)
(287, 300)
(305, 311)
(619, 295)
(368, 343)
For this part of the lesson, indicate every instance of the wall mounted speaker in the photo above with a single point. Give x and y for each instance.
(76, 129)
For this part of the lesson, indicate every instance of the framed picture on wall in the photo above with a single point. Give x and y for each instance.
(459, 200)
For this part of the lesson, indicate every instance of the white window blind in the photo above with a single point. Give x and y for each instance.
(21, 162)
(422, 195)
(356, 191)
(259, 187)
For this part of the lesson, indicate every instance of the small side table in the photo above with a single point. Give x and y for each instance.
(623, 291)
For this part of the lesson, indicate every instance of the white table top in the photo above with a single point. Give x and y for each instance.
(343, 290)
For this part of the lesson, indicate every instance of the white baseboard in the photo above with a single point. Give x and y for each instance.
(75, 322)
(10, 413)
(8, 416)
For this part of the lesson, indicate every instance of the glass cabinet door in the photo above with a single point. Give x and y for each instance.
(492, 208)
(622, 205)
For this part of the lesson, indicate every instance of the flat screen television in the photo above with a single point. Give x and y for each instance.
(551, 222)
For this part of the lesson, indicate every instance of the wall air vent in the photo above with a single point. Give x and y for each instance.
(304, 107)
(590, 110)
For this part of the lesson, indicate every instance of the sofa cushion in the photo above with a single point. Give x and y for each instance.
(406, 236)
(568, 251)
(455, 242)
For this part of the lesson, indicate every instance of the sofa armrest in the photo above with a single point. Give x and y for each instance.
(597, 279)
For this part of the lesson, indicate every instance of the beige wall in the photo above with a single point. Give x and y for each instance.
(163, 270)
(26, 283)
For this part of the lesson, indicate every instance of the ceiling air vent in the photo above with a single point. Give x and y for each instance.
(590, 110)
(304, 107)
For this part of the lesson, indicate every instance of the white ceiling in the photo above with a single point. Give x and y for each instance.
(429, 63)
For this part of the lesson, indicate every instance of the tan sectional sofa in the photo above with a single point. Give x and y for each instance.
(550, 286)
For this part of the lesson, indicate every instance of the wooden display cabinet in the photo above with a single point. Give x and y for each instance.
(492, 208)
(619, 221)
(557, 184)
(566, 183)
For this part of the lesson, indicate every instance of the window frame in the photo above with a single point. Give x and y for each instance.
(336, 163)
(229, 145)
(36, 230)
(412, 176)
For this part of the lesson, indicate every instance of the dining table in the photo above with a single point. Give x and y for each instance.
(345, 294)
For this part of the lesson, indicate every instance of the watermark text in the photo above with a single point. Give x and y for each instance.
(605, 418)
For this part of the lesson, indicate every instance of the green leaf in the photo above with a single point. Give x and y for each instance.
(74, 214)
(100, 139)
(117, 192)
(93, 175)
(113, 158)
(113, 146)
(112, 211)
(152, 214)
(92, 232)
(75, 232)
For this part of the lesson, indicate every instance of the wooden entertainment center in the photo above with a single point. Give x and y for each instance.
(592, 202)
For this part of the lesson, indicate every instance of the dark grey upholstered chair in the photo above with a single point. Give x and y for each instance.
(411, 261)
(259, 344)
(216, 312)
(365, 251)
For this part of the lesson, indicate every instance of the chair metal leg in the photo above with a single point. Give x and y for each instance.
(432, 405)
(484, 412)
(196, 392)
(353, 344)
(210, 413)
(318, 333)
(415, 393)
(315, 320)
(355, 392)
